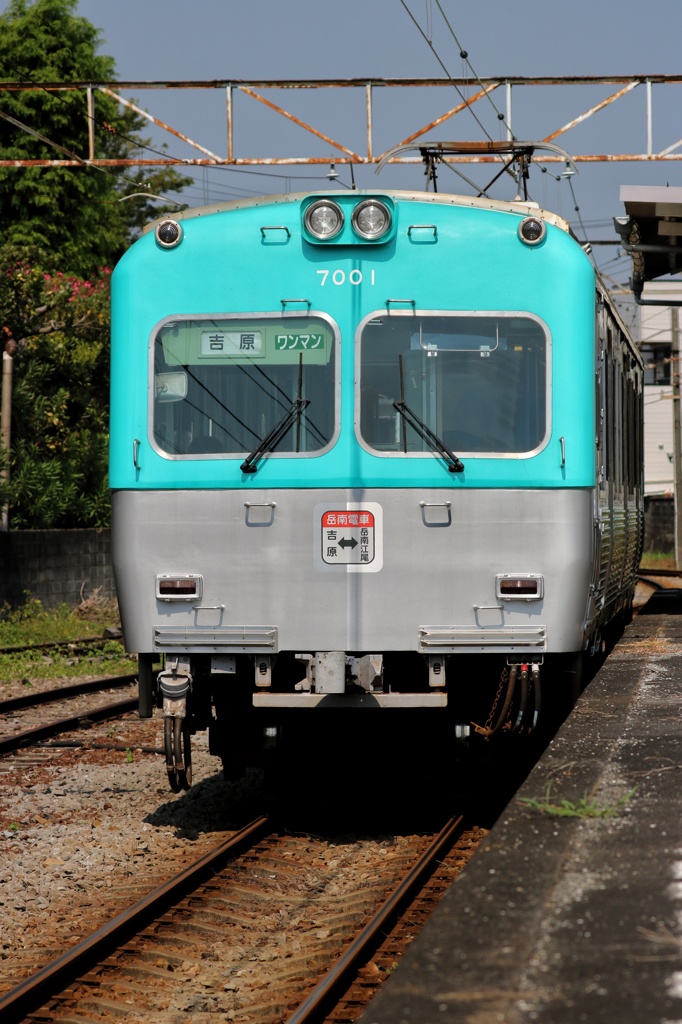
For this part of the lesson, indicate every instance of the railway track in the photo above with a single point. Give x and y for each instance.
(57, 693)
(252, 935)
(84, 715)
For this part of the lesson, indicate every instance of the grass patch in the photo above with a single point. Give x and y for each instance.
(34, 624)
(29, 668)
(31, 623)
(658, 560)
(582, 808)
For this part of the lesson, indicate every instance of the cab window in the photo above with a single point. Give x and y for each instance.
(479, 382)
(221, 385)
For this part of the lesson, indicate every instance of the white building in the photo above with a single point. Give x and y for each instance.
(657, 328)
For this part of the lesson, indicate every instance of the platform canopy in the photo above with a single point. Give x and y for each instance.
(651, 231)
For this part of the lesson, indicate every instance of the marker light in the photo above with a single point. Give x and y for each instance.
(532, 230)
(371, 219)
(324, 219)
(179, 587)
(519, 586)
(168, 233)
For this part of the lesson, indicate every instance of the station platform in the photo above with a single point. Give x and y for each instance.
(561, 920)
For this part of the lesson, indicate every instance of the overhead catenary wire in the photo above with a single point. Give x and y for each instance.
(195, 189)
(577, 209)
(111, 130)
(85, 163)
(457, 89)
(70, 153)
(465, 57)
(104, 125)
(231, 189)
(25, 77)
(62, 149)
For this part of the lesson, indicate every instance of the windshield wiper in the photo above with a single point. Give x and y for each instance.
(455, 465)
(270, 442)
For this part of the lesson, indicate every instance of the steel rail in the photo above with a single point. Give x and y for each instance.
(30, 700)
(327, 992)
(30, 737)
(659, 572)
(32, 993)
(83, 744)
(650, 583)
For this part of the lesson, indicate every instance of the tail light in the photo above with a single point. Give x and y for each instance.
(179, 587)
(519, 587)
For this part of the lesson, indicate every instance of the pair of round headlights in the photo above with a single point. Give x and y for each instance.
(370, 220)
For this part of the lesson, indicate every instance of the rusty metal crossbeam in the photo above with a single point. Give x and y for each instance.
(337, 150)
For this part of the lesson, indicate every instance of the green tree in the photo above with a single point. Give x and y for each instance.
(60, 227)
(72, 211)
(59, 331)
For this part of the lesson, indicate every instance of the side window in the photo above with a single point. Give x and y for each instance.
(621, 427)
(657, 363)
(602, 442)
(609, 407)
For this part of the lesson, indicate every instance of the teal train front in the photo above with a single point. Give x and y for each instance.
(368, 451)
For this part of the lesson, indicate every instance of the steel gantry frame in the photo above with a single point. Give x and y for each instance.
(338, 152)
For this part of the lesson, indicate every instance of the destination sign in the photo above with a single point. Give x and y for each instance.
(231, 343)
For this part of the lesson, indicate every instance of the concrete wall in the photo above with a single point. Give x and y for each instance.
(56, 566)
(659, 524)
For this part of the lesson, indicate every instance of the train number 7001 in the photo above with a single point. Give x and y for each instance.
(339, 277)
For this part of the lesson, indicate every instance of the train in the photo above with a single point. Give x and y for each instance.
(375, 459)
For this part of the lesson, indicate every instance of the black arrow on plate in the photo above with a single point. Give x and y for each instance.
(352, 543)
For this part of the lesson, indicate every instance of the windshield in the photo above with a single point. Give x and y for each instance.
(222, 385)
(477, 381)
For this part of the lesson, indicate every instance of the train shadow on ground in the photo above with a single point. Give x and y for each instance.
(371, 794)
(364, 780)
(211, 805)
(394, 787)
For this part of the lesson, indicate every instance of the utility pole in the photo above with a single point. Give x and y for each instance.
(677, 431)
(6, 417)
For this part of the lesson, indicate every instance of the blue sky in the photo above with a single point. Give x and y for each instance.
(320, 38)
(154, 40)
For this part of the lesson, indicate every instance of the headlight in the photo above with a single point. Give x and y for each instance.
(532, 230)
(324, 219)
(168, 233)
(371, 219)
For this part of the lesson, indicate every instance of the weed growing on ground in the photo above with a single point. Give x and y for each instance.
(97, 609)
(585, 807)
(32, 623)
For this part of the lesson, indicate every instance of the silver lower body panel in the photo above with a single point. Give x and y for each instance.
(421, 577)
